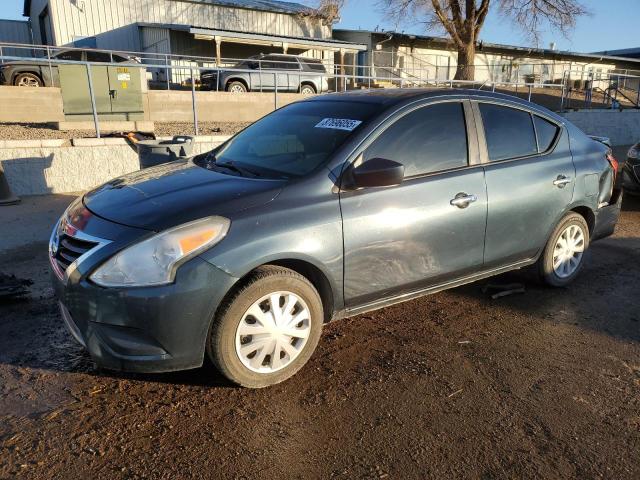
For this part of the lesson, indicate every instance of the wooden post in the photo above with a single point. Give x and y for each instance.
(285, 47)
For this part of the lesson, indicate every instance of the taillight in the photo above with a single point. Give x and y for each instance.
(614, 164)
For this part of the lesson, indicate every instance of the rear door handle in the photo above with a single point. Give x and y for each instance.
(463, 200)
(562, 181)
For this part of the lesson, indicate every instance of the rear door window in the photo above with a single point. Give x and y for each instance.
(546, 131)
(509, 132)
(430, 139)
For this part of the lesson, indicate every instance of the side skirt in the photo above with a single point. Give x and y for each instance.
(386, 302)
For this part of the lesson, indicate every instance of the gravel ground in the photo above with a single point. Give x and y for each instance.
(454, 385)
(41, 131)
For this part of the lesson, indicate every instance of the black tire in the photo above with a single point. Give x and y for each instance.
(221, 340)
(307, 89)
(545, 270)
(28, 80)
(237, 87)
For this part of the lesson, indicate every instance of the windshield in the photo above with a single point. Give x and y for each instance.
(294, 140)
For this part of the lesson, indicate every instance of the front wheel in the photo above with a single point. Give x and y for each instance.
(563, 256)
(268, 329)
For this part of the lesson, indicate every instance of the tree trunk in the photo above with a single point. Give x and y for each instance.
(466, 60)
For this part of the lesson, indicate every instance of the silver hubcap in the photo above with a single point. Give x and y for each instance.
(273, 332)
(307, 91)
(236, 89)
(28, 82)
(568, 251)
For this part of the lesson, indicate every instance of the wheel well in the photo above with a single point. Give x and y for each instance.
(588, 215)
(316, 277)
(239, 80)
(308, 84)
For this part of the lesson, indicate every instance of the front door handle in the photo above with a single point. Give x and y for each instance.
(463, 200)
(562, 181)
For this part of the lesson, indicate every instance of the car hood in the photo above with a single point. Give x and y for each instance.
(174, 193)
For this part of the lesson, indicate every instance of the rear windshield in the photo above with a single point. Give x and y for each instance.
(296, 139)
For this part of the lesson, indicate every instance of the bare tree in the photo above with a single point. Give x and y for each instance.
(329, 10)
(462, 20)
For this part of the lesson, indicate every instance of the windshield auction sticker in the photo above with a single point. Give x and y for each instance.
(339, 124)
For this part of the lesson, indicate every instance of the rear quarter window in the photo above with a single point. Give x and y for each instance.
(546, 131)
(509, 132)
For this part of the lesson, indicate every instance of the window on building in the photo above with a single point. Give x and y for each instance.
(546, 132)
(509, 132)
(429, 139)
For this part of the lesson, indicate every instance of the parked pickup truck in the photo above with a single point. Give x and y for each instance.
(259, 73)
(31, 73)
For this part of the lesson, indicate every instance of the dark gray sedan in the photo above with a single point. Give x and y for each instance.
(324, 209)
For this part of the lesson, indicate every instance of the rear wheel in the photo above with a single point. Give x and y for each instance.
(27, 80)
(268, 329)
(307, 90)
(563, 255)
(236, 87)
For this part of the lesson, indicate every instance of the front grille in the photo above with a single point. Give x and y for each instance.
(70, 249)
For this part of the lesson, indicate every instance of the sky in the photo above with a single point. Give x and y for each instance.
(614, 24)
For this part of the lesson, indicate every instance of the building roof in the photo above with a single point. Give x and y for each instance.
(624, 52)
(543, 52)
(277, 6)
(294, 42)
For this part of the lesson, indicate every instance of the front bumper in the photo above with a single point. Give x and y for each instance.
(150, 329)
(631, 176)
(146, 329)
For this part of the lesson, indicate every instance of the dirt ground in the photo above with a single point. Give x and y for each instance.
(41, 131)
(540, 385)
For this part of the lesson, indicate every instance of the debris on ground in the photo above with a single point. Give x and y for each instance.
(12, 287)
(497, 291)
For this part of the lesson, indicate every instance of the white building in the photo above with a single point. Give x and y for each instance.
(205, 28)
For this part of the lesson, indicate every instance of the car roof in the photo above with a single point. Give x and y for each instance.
(396, 97)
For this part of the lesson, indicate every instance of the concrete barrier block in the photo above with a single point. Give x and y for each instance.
(88, 142)
(23, 143)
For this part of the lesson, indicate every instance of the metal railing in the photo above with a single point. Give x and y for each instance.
(556, 96)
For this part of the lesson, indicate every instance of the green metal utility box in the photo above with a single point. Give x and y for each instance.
(118, 92)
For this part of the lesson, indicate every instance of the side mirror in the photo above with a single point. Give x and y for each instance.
(378, 172)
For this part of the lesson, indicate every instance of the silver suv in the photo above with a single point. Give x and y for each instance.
(260, 73)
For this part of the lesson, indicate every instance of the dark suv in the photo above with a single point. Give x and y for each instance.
(326, 208)
(260, 73)
(38, 74)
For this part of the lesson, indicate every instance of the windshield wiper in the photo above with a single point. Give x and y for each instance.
(231, 165)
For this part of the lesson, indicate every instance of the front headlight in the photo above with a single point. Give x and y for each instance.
(634, 152)
(155, 260)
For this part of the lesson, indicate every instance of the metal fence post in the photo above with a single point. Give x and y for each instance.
(275, 91)
(166, 74)
(530, 88)
(50, 67)
(1, 56)
(93, 101)
(193, 103)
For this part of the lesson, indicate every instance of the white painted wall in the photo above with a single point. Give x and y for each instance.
(43, 170)
(623, 128)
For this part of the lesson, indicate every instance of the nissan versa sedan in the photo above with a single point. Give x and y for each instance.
(326, 208)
